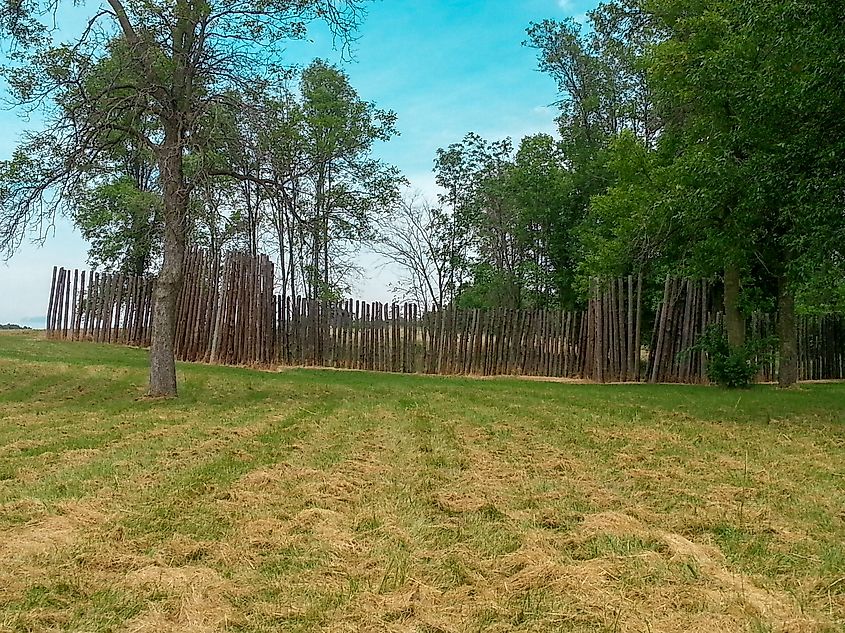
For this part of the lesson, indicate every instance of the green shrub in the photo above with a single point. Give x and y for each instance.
(735, 367)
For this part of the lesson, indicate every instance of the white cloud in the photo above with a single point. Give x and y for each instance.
(423, 186)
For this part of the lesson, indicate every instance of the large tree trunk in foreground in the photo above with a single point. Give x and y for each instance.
(162, 348)
(787, 334)
(734, 321)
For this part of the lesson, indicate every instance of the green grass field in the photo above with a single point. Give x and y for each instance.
(317, 500)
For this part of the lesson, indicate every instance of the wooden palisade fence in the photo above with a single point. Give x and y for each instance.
(821, 346)
(225, 313)
(684, 314)
(228, 313)
(399, 338)
(614, 323)
(101, 307)
(688, 309)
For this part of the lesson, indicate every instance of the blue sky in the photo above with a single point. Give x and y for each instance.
(445, 68)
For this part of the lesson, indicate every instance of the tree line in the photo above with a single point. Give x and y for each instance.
(700, 139)
(293, 176)
(697, 139)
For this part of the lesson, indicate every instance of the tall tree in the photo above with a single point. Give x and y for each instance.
(606, 103)
(172, 63)
(537, 187)
(753, 90)
(513, 228)
(350, 188)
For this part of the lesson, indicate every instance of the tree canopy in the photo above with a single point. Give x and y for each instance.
(700, 138)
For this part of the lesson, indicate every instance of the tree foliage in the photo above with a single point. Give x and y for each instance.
(696, 138)
(160, 75)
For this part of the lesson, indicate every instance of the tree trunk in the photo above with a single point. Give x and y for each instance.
(734, 321)
(788, 343)
(162, 347)
(280, 239)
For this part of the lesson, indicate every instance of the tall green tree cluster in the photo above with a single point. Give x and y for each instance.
(701, 138)
(314, 192)
(506, 206)
(752, 92)
(288, 171)
(524, 212)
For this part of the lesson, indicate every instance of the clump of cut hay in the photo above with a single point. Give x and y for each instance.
(266, 534)
(50, 533)
(197, 599)
(611, 523)
(770, 605)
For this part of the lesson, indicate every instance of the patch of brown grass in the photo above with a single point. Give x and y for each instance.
(50, 533)
(196, 600)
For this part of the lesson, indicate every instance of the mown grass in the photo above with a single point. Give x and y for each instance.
(308, 500)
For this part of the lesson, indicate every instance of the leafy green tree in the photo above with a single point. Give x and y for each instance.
(171, 65)
(606, 110)
(314, 192)
(537, 187)
(460, 170)
(704, 138)
(745, 176)
(474, 173)
(628, 227)
(122, 225)
(509, 209)
(601, 80)
(350, 189)
(752, 92)
(119, 212)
